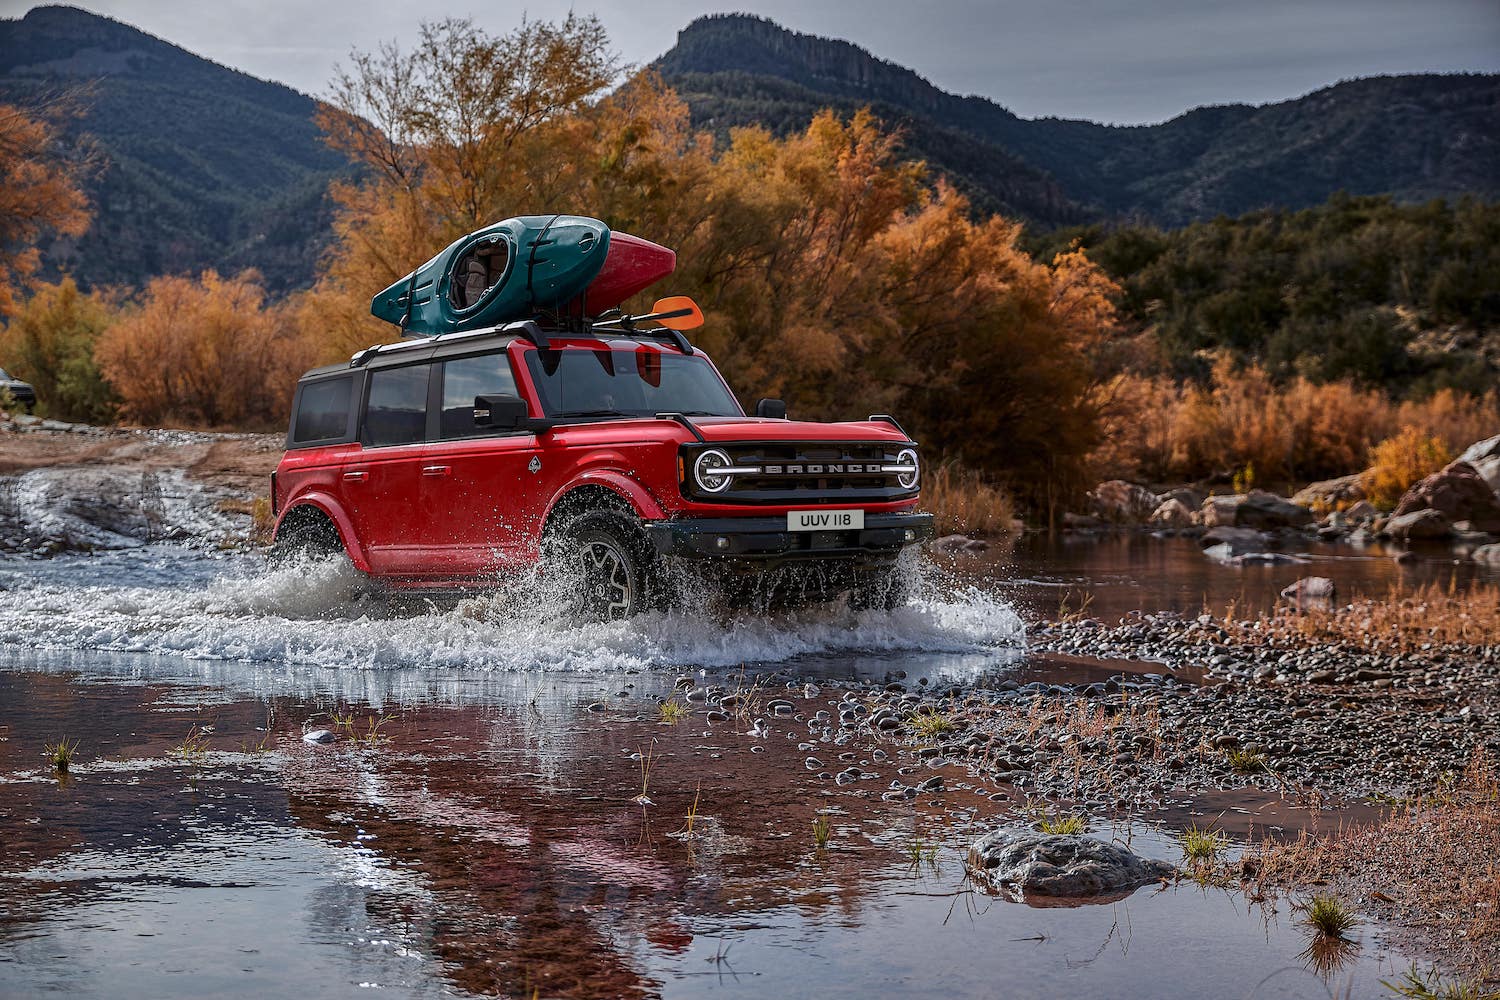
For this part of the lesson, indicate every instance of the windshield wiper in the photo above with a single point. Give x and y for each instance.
(595, 413)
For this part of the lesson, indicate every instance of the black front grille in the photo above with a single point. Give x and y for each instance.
(802, 472)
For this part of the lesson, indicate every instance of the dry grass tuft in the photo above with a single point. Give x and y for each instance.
(1401, 622)
(1432, 862)
(962, 503)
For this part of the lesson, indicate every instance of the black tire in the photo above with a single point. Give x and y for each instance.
(305, 535)
(610, 567)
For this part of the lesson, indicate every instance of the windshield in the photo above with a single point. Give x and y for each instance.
(629, 382)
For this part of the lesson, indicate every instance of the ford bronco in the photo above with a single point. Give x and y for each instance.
(609, 449)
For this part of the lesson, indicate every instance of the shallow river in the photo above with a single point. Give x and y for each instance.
(476, 826)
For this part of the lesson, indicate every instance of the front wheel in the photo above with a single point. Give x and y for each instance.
(609, 566)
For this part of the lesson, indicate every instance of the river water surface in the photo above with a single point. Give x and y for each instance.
(482, 823)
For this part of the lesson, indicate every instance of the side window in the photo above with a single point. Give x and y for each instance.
(397, 411)
(322, 411)
(465, 378)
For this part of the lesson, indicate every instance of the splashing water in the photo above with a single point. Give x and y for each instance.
(316, 613)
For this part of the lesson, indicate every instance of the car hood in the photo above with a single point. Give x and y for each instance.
(728, 429)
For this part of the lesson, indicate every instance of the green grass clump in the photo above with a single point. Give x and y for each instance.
(1203, 846)
(672, 711)
(1245, 762)
(1068, 826)
(821, 830)
(1327, 917)
(61, 755)
(931, 725)
(1416, 985)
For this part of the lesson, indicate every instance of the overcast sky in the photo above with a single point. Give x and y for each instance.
(1104, 60)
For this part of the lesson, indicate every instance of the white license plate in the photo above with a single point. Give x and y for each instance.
(825, 520)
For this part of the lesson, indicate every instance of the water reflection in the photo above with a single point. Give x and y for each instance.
(493, 845)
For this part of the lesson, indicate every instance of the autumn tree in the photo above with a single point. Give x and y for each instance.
(444, 131)
(205, 353)
(831, 271)
(39, 189)
(50, 343)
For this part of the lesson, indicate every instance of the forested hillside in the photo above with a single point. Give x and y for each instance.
(1412, 137)
(200, 166)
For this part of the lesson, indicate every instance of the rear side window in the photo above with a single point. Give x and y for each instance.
(466, 378)
(322, 411)
(397, 411)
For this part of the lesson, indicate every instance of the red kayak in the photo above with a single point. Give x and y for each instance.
(632, 265)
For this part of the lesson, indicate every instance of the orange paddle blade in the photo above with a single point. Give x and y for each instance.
(684, 313)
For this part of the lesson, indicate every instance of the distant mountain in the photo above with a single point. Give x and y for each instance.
(1413, 137)
(205, 166)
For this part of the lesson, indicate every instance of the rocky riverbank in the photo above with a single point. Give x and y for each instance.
(76, 488)
(1458, 506)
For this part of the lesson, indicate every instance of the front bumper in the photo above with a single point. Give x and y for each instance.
(765, 539)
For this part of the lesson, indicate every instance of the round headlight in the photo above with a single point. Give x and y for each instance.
(912, 470)
(704, 467)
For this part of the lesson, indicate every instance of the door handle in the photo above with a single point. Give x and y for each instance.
(356, 477)
(436, 470)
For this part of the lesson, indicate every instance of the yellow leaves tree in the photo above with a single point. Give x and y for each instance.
(50, 342)
(204, 353)
(39, 191)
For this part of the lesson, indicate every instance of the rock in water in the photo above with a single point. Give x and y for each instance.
(318, 736)
(1236, 541)
(1487, 554)
(1023, 862)
(1316, 587)
(1419, 525)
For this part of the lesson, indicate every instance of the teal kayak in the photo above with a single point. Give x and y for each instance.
(504, 272)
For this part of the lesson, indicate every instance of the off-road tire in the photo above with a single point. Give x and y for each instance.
(306, 537)
(611, 568)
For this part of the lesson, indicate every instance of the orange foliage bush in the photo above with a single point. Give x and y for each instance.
(1398, 462)
(204, 353)
(1159, 431)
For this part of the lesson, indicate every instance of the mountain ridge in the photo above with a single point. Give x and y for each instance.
(204, 166)
(1216, 159)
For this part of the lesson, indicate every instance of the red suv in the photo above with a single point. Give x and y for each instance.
(444, 461)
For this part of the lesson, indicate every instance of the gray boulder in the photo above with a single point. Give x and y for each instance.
(1419, 525)
(1023, 862)
(1484, 456)
(1172, 513)
(1256, 509)
(1486, 554)
(1331, 493)
(1459, 493)
(1119, 502)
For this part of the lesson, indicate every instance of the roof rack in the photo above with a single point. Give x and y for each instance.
(529, 329)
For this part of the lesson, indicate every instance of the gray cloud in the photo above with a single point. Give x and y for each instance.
(1106, 60)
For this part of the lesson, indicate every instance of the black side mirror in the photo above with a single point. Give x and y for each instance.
(503, 412)
(773, 408)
